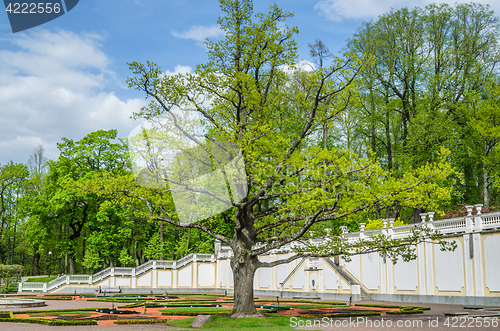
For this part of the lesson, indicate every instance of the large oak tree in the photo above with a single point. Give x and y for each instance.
(251, 94)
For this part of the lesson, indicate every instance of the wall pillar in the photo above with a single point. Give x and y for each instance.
(468, 263)
(478, 267)
(429, 268)
(422, 290)
(174, 275)
(155, 275)
(195, 272)
(134, 279)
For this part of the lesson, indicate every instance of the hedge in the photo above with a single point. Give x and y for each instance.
(53, 310)
(50, 298)
(378, 305)
(139, 321)
(403, 312)
(365, 313)
(305, 301)
(133, 305)
(195, 313)
(50, 322)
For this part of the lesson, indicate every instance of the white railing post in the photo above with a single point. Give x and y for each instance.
(390, 231)
(155, 275)
(469, 210)
(384, 227)
(362, 230)
(44, 288)
(67, 280)
(423, 216)
(20, 288)
(478, 220)
(90, 280)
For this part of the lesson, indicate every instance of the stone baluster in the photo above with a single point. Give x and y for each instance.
(362, 230)
(469, 210)
(390, 231)
(384, 231)
(478, 220)
(423, 216)
(469, 226)
(479, 208)
(431, 216)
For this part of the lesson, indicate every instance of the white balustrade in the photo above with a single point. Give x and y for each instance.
(144, 268)
(469, 223)
(123, 271)
(490, 221)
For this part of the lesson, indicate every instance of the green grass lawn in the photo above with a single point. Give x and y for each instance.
(41, 279)
(270, 323)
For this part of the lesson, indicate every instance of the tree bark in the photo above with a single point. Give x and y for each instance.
(36, 262)
(486, 184)
(161, 240)
(71, 264)
(244, 267)
(415, 217)
(83, 252)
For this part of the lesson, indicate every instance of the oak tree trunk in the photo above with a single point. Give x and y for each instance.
(72, 264)
(486, 192)
(36, 262)
(244, 267)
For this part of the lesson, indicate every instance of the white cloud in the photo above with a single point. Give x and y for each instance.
(338, 10)
(179, 70)
(52, 86)
(199, 33)
(303, 65)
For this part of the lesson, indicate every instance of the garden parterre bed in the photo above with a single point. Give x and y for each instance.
(300, 308)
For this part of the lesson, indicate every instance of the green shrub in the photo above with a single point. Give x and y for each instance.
(53, 310)
(134, 305)
(404, 312)
(306, 301)
(50, 322)
(354, 314)
(139, 321)
(378, 305)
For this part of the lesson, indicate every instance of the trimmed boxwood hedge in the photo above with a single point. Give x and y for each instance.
(378, 305)
(134, 305)
(50, 298)
(367, 313)
(306, 301)
(195, 313)
(53, 310)
(139, 321)
(404, 312)
(50, 322)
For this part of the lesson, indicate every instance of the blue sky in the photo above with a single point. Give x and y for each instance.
(66, 78)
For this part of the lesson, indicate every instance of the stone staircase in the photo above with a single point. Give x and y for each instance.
(348, 278)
